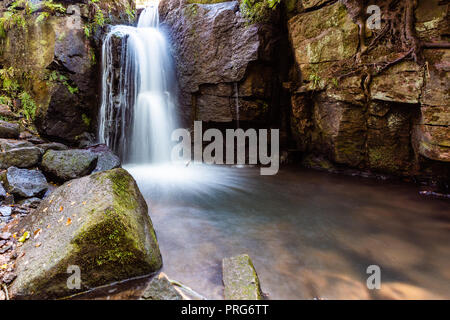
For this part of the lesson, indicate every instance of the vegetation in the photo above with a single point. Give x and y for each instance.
(258, 11)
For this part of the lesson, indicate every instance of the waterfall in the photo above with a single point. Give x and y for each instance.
(136, 115)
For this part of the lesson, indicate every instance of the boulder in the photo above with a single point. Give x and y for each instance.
(160, 288)
(240, 279)
(25, 183)
(68, 164)
(99, 224)
(25, 157)
(9, 129)
(107, 160)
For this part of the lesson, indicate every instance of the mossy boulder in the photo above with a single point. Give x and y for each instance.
(68, 164)
(99, 223)
(240, 279)
(25, 157)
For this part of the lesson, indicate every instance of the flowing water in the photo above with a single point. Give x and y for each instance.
(309, 234)
(136, 113)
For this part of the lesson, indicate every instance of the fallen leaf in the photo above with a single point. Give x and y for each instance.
(3, 267)
(72, 203)
(61, 208)
(48, 226)
(84, 203)
(37, 233)
(61, 219)
(45, 209)
(24, 237)
(68, 222)
(37, 245)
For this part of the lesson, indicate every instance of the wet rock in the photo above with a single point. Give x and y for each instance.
(9, 277)
(25, 157)
(240, 279)
(9, 129)
(52, 146)
(107, 160)
(25, 183)
(68, 164)
(6, 112)
(160, 288)
(5, 211)
(5, 235)
(105, 230)
(31, 202)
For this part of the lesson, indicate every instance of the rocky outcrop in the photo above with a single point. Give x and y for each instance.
(222, 60)
(99, 224)
(240, 279)
(388, 118)
(160, 288)
(58, 53)
(68, 164)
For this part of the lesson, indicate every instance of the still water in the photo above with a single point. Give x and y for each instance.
(309, 234)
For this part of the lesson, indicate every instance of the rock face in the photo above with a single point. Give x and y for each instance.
(395, 121)
(98, 223)
(68, 164)
(25, 183)
(221, 60)
(25, 157)
(240, 279)
(61, 63)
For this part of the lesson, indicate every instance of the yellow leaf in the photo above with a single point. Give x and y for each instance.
(4, 266)
(61, 208)
(24, 237)
(68, 222)
(37, 245)
(45, 209)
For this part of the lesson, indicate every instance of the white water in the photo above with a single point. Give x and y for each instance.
(136, 113)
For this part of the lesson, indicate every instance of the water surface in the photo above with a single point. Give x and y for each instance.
(309, 234)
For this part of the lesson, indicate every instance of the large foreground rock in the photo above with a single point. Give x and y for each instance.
(25, 183)
(25, 157)
(68, 164)
(240, 279)
(99, 223)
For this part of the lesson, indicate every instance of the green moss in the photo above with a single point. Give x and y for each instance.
(258, 11)
(86, 120)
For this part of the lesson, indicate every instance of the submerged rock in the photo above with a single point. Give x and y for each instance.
(25, 183)
(69, 164)
(160, 288)
(240, 279)
(99, 224)
(9, 129)
(25, 157)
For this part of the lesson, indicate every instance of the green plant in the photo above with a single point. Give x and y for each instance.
(315, 79)
(258, 10)
(28, 106)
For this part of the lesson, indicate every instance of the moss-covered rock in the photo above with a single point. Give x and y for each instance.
(240, 279)
(68, 164)
(25, 157)
(99, 223)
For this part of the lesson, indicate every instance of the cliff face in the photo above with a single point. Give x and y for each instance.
(220, 56)
(393, 120)
(52, 52)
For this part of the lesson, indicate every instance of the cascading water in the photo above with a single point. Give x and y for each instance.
(136, 113)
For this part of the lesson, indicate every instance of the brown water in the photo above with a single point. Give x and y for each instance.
(309, 234)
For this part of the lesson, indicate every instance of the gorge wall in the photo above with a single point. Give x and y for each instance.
(50, 59)
(358, 98)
